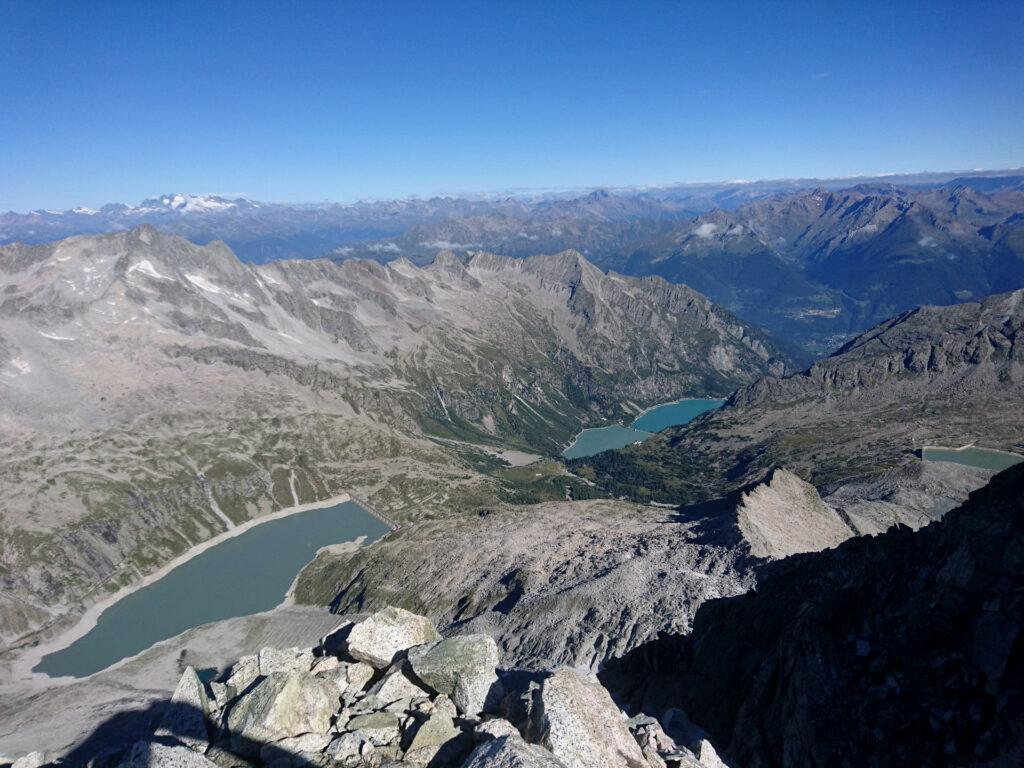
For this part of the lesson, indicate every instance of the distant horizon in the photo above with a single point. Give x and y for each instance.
(344, 101)
(538, 191)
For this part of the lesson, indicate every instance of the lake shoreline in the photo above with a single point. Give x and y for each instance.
(22, 664)
(642, 434)
(647, 410)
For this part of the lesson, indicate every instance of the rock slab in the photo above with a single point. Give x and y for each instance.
(463, 667)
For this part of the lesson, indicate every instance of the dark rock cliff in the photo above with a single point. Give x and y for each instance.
(903, 649)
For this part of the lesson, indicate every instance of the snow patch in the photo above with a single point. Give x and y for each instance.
(201, 282)
(705, 230)
(146, 267)
(55, 337)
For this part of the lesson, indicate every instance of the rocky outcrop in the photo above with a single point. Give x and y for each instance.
(377, 639)
(785, 515)
(310, 710)
(902, 649)
(554, 584)
(576, 719)
(462, 668)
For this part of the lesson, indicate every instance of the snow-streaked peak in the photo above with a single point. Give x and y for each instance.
(183, 203)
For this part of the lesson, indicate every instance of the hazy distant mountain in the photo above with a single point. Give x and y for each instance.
(260, 231)
(814, 267)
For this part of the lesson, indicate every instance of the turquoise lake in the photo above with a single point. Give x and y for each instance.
(984, 458)
(591, 441)
(247, 574)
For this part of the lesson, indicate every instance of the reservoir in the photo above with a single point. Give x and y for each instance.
(985, 458)
(591, 441)
(246, 574)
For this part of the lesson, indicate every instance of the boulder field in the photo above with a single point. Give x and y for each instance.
(388, 690)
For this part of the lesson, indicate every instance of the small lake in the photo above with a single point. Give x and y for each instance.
(591, 441)
(246, 574)
(984, 458)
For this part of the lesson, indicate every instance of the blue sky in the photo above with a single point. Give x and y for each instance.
(293, 101)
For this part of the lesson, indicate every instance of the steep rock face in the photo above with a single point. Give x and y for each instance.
(936, 375)
(557, 583)
(153, 385)
(786, 516)
(899, 649)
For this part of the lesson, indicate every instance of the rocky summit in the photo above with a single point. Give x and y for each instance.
(385, 690)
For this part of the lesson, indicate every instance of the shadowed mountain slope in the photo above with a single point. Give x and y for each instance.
(903, 649)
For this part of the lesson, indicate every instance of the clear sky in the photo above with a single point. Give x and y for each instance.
(293, 101)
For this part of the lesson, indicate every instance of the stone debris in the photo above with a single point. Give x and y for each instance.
(395, 694)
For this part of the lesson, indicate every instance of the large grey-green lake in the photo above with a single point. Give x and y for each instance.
(591, 441)
(240, 576)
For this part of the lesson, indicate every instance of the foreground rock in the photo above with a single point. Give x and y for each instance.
(438, 703)
(461, 667)
(185, 717)
(512, 752)
(575, 717)
(282, 705)
(386, 633)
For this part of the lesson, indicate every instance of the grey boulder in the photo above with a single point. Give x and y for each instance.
(282, 705)
(511, 752)
(574, 716)
(380, 637)
(184, 719)
(463, 667)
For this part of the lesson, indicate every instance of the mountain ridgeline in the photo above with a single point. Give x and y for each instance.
(813, 266)
(813, 261)
(157, 392)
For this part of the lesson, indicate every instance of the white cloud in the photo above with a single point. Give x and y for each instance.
(707, 229)
(443, 244)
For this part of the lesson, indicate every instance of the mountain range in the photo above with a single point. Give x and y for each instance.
(812, 261)
(156, 392)
(813, 267)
